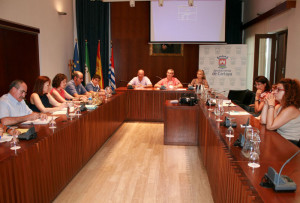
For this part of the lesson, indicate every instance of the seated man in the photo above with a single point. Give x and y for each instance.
(93, 85)
(74, 86)
(141, 80)
(13, 109)
(170, 81)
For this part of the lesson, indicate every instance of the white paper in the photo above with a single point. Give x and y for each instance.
(249, 126)
(226, 103)
(59, 113)
(91, 107)
(174, 101)
(39, 121)
(5, 138)
(181, 89)
(238, 113)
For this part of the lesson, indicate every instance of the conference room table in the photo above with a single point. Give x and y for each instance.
(40, 170)
(230, 177)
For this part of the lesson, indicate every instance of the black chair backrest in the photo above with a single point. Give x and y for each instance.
(249, 98)
(237, 96)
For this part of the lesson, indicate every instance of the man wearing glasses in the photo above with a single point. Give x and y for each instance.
(74, 86)
(13, 108)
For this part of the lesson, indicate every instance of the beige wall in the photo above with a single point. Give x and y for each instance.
(287, 20)
(56, 32)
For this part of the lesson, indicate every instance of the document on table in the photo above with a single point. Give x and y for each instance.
(238, 113)
(62, 112)
(91, 107)
(39, 121)
(226, 103)
(7, 138)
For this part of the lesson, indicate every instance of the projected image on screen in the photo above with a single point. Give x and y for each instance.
(175, 21)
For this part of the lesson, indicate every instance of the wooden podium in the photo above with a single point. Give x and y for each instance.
(181, 124)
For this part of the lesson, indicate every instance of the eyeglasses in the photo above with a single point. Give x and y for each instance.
(278, 90)
(259, 84)
(23, 92)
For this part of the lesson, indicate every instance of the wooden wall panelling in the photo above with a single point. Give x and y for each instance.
(130, 37)
(19, 55)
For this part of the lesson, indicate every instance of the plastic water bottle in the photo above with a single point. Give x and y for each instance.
(90, 100)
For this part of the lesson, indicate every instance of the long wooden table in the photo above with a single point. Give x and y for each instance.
(44, 166)
(230, 177)
(147, 104)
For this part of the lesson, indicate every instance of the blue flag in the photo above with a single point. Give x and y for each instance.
(76, 65)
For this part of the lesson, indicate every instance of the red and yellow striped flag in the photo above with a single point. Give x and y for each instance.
(99, 66)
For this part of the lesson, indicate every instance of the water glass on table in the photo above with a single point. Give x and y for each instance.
(14, 143)
(219, 109)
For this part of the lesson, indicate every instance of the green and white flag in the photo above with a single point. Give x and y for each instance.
(87, 69)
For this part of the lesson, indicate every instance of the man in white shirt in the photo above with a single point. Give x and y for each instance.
(13, 108)
(141, 80)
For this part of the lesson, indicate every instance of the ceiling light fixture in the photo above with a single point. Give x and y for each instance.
(131, 3)
(160, 3)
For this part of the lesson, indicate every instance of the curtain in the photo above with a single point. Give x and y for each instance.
(233, 22)
(92, 25)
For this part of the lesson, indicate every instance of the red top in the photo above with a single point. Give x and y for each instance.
(61, 92)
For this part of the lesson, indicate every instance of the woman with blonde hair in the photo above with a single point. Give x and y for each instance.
(200, 80)
(285, 116)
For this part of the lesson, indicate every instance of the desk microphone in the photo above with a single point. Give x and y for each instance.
(123, 81)
(128, 86)
(158, 77)
(278, 181)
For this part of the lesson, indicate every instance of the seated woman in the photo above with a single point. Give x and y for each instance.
(41, 100)
(263, 89)
(58, 91)
(200, 80)
(285, 116)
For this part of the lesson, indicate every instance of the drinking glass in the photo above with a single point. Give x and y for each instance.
(254, 153)
(77, 111)
(210, 101)
(230, 130)
(219, 110)
(14, 143)
(229, 103)
(252, 133)
(52, 123)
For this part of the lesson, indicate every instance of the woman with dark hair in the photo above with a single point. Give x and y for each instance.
(200, 80)
(58, 91)
(41, 100)
(285, 116)
(263, 89)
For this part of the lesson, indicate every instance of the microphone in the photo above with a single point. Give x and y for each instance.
(278, 181)
(129, 86)
(158, 77)
(123, 81)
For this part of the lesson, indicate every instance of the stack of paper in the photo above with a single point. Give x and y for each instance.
(39, 121)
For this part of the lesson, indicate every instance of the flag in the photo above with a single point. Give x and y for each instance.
(87, 69)
(111, 72)
(76, 65)
(99, 67)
